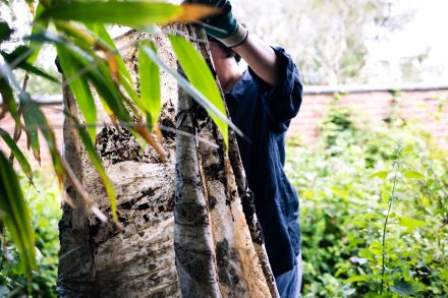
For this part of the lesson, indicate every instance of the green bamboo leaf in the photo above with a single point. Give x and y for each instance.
(24, 164)
(32, 135)
(35, 119)
(96, 161)
(149, 84)
(104, 84)
(16, 215)
(8, 98)
(128, 13)
(134, 13)
(105, 37)
(80, 89)
(191, 90)
(38, 26)
(124, 75)
(20, 56)
(97, 72)
(201, 77)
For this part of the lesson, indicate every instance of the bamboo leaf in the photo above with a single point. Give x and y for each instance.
(135, 13)
(80, 89)
(32, 135)
(194, 12)
(16, 214)
(38, 26)
(192, 91)
(8, 98)
(132, 13)
(201, 77)
(150, 84)
(107, 89)
(24, 164)
(19, 58)
(34, 118)
(96, 71)
(104, 36)
(96, 161)
(124, 76)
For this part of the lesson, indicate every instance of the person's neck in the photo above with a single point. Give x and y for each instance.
(230, 76)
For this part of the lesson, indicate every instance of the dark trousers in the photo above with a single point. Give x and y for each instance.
(290, 282)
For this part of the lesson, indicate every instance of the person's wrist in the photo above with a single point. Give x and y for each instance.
(238, 37)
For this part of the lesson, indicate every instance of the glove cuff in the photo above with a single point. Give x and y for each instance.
(236, 39)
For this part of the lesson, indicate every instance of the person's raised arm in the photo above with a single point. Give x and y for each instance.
(260, 57)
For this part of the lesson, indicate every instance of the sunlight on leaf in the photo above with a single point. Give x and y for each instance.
(149, 84)
(411, 224)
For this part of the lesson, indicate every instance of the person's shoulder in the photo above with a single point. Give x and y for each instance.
(245, 84)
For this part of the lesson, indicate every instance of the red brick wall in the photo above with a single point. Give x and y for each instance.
(424, 108)
(428, 110)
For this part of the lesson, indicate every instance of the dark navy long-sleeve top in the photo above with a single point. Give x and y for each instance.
(263, 114)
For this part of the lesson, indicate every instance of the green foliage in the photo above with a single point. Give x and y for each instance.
(14, 213)
(346, 184)
(150, 85)
(137, 13)
(24, 164)
(80, 88)
(43, 199)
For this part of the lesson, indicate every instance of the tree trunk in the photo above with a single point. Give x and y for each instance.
(184, 222)
(239, 269)
(96, 258)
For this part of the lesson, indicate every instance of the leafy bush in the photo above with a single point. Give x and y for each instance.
(43, 199)
(347, 183)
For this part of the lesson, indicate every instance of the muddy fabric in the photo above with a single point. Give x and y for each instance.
(263, 114)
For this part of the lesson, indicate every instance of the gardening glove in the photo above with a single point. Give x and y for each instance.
(224, 27)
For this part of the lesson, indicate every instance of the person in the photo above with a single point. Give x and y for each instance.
(262, 100)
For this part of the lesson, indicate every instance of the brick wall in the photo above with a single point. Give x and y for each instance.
(428, 109)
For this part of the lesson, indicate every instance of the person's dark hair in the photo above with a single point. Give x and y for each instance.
(228, 51)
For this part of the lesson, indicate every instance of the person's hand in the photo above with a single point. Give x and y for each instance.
(224, 27)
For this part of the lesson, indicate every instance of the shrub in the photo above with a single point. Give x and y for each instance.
(43, 199)
(346, 184)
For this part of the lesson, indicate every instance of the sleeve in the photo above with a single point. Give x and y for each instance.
(284, 100)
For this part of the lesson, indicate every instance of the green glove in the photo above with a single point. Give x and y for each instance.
(224, 27)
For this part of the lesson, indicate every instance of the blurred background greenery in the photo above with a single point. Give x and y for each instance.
(44, 201)
(345, 182)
